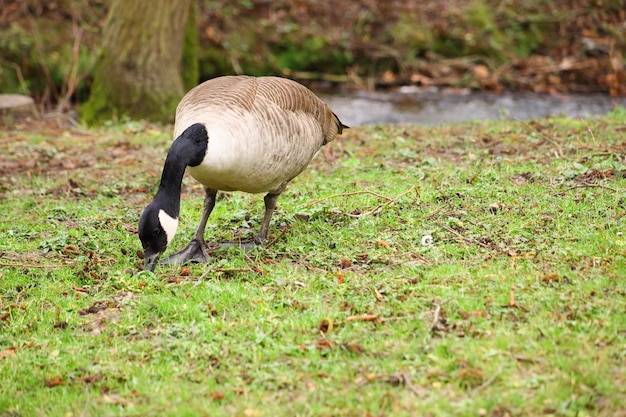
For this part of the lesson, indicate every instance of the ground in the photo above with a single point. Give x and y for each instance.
(472, 269)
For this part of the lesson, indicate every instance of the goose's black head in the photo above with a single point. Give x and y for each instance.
(156, 231)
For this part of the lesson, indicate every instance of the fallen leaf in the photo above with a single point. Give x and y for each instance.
(95, 308)
(71, 250)
(480, 71)
(90, 379)
(323, 344)
(383, 243)
(470, 377)
(550, 278)
(217, 396)
(345, 263)
(326, 326)
(354, 347)
(54, 381)
(7, 353)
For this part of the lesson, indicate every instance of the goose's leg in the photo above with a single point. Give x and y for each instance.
(196, 250)
(270, 205)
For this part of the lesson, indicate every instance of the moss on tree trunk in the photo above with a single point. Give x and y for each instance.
(139, 71)
(191, 66)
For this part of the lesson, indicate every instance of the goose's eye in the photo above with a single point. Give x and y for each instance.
(156, 231)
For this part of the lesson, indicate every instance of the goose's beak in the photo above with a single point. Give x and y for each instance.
(150, 260)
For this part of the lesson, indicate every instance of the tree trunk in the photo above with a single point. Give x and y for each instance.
(139, 70)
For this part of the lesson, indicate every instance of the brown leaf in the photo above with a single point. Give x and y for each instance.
(90, 379)
(550, 278)
(217, 396)
(345, 263)
(326, 326)
(383, 244)
(95, 308)
(6, 353)
(354, 347)
(470, 377)
(54, 381)
(71, 250)
(323, 344)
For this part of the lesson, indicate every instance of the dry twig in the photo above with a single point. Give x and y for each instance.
(410, 386)
(390, 201)
(435, 320)
(21, 265)
(465, 238)
(488, 382)
(225, 270)
(591, 185)
(559, 150)
(310, 203)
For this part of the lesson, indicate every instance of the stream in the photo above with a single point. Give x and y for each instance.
(432, 108)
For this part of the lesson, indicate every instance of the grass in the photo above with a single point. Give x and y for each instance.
(471, 270)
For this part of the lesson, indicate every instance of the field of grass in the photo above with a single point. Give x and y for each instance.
(469, 270)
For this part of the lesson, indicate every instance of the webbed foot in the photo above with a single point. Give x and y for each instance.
(195, 251)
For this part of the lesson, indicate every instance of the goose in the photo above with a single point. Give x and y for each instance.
(234, 133)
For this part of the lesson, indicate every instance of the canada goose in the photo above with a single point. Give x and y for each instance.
(235, 133)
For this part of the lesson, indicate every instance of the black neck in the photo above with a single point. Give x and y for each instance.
(188, 149)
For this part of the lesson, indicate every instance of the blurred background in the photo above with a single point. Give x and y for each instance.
(391, 51)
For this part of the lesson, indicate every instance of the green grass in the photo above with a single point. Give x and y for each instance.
(473, 270)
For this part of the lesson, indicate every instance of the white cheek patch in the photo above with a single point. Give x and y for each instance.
(169, 224)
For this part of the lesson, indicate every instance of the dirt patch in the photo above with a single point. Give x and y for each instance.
(100, 313)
